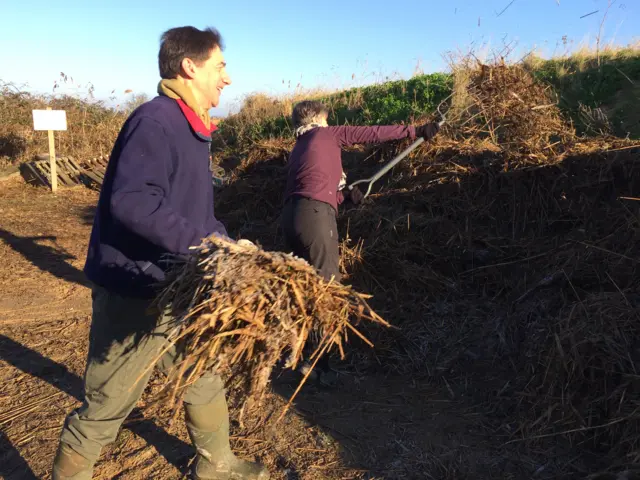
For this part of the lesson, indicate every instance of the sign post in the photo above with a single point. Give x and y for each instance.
(51, 120)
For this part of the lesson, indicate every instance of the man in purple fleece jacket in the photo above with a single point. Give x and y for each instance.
(157, 199)
(316, 181)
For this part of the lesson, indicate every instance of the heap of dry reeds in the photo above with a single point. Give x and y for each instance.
(240, 310)
(504, 106)
(510, 214)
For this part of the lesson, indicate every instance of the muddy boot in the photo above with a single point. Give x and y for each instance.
(208, 427)
(322, 374)
(69, 465)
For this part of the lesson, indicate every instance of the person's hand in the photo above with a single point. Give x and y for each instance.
(427, 131)
(243, 242)
(356, 196)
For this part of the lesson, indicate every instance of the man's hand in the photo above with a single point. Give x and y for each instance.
(427, 131)
(243, 242)
(356, 196)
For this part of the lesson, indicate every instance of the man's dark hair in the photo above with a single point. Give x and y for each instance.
(307, 111)
(185, 42)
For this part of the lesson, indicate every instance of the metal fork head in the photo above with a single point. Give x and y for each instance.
(443, 117)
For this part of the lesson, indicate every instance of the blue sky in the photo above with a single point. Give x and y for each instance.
(272, 46)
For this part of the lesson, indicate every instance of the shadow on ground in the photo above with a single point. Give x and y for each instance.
(53, 260)
(30, 362)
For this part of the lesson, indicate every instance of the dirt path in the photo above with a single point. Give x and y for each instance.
(373, 425)
(42, 246)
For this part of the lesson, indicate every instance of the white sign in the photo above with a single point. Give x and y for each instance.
(49, 120)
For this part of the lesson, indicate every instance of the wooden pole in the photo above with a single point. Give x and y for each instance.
(52, 160)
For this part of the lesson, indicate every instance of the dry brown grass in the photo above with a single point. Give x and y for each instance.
(261, 118)
(585, 376)
(517, 113)
(92, 126)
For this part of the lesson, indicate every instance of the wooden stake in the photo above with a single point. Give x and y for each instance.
(52, 160)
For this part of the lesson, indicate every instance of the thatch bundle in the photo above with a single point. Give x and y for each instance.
(240, 310)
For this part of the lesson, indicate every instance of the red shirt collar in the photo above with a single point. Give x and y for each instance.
(196, 123)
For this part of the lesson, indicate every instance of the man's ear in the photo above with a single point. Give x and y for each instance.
(188, 68)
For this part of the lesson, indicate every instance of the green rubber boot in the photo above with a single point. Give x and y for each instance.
(69, 465)
(208, 427)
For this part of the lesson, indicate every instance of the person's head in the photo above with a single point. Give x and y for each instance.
(308, 112)
(195, 57)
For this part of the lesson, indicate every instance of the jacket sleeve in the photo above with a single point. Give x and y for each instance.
(346, 136)
(218, 229)
(140, 189)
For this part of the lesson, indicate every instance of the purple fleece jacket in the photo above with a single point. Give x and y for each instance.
(156, 199)
(315, 163)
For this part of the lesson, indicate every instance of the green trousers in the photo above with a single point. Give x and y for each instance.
(126, 341)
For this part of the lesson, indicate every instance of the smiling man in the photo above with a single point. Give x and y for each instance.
(156, 199)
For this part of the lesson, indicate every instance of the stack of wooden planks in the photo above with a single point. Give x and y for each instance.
(69, 171)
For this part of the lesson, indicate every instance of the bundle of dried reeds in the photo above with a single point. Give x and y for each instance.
(240, 310)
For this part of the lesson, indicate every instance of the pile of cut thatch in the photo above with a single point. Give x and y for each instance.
(509, 212)
(516, 115)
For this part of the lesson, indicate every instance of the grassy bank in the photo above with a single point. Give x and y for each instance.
(600, 92)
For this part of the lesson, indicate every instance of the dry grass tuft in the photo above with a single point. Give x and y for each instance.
(585, 379)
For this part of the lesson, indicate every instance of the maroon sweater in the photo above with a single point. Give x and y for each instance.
(315, 163)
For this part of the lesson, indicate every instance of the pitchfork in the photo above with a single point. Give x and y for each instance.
(371, 180)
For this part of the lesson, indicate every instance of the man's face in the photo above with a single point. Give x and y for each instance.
(209, 78)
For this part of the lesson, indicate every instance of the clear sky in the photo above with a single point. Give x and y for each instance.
(274, 45)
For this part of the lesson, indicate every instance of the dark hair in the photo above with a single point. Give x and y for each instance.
(185, 42)
(307, 111)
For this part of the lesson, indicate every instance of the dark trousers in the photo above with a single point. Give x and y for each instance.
(311, 232)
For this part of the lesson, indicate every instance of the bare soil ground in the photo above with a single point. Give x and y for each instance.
(373, 425)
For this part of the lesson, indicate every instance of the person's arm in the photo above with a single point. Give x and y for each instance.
(219, 230)
(347, 136)
(140, 189)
